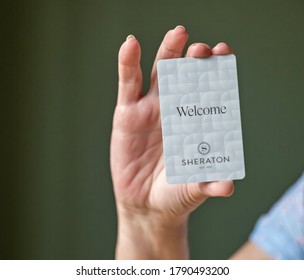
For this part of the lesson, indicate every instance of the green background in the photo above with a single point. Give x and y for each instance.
(58, 92)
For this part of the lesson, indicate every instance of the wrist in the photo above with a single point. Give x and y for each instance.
(147, 235)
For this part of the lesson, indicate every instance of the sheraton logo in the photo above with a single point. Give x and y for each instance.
(204, 149)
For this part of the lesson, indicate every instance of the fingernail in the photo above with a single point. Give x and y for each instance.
(180, 26)
(130, 37)
(202, 44)
(223, 44)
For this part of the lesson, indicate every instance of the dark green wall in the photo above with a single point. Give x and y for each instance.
(58, 92)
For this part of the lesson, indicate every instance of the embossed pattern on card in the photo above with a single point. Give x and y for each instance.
(201, 120)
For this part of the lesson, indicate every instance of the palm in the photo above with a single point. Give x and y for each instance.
(136, 146)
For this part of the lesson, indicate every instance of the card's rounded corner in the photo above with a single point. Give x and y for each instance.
(242, 176)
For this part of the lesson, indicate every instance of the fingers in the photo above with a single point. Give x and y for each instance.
(172, 47)
(130, 75)
(222, 49)
(129, 71)
(201, 50)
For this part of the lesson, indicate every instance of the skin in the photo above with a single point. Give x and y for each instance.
(151, 212)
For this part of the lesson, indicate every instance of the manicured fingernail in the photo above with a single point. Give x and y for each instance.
(180, 26)
(130, 37)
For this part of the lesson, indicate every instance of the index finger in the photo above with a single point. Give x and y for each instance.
(172, 46)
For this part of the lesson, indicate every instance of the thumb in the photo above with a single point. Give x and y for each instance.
(217, 188)
(198, 193)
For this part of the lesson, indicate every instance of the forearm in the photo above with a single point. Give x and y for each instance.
(146, 237)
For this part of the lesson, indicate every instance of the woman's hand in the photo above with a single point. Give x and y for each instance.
(152, 215)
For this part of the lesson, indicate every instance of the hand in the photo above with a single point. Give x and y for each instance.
(143, 197)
